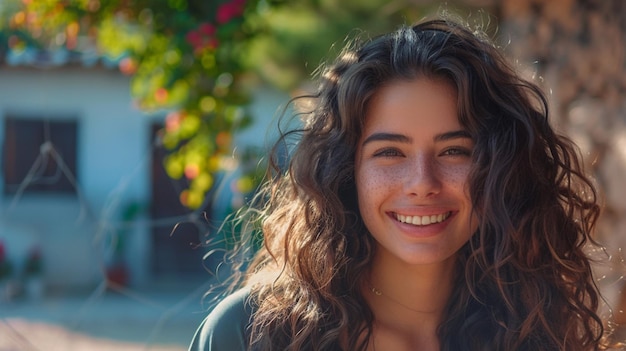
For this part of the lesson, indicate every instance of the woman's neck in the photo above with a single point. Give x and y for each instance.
(409, 300)
(424, 288)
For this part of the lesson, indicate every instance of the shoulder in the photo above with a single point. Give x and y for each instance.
(225, 327)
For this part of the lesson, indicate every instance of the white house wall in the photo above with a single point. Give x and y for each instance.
(112, 169)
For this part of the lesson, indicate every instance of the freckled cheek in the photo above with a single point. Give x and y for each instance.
(377, 178)
(457, 177)
(373, 185)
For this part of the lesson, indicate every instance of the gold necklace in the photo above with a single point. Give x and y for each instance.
(377, 292)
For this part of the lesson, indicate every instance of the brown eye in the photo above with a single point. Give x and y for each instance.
(457, 151)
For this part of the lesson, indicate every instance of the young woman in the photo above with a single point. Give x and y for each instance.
(428, 205)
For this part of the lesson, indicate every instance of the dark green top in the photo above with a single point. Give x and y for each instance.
(226, 327)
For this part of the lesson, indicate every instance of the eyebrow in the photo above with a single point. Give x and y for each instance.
(401, 138)
(457, 134)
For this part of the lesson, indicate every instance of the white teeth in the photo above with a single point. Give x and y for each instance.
(417, 220)
(423, 220)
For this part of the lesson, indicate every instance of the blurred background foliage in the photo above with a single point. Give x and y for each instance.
(198, 61)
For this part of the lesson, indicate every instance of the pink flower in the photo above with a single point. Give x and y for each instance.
(229, 10)
(203, 37)
(194, 38)
(206, 29)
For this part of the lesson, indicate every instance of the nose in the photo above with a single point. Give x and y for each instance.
(423, 179)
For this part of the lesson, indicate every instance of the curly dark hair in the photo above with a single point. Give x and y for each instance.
(524, 281)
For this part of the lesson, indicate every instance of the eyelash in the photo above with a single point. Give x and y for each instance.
(387, 153)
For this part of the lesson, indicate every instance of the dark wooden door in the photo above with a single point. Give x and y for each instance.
(177, 232)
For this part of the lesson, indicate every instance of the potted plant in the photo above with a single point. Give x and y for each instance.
(117, 270)
(33, 274)
(6, 275)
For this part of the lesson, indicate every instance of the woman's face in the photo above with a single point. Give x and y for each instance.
(411, 169)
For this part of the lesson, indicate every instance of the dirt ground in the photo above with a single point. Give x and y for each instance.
(24, 335)
(151, 320)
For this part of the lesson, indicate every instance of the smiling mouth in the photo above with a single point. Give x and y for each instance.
(423, 220)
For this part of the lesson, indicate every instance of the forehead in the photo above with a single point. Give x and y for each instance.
(421, 103)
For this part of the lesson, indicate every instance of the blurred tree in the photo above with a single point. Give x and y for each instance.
(194, 59)
(185, 57)
(305, 34)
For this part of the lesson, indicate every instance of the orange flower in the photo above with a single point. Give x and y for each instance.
(128, 66)
(223, 139)
(192, 170)
(172, 121)
(161, 95)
